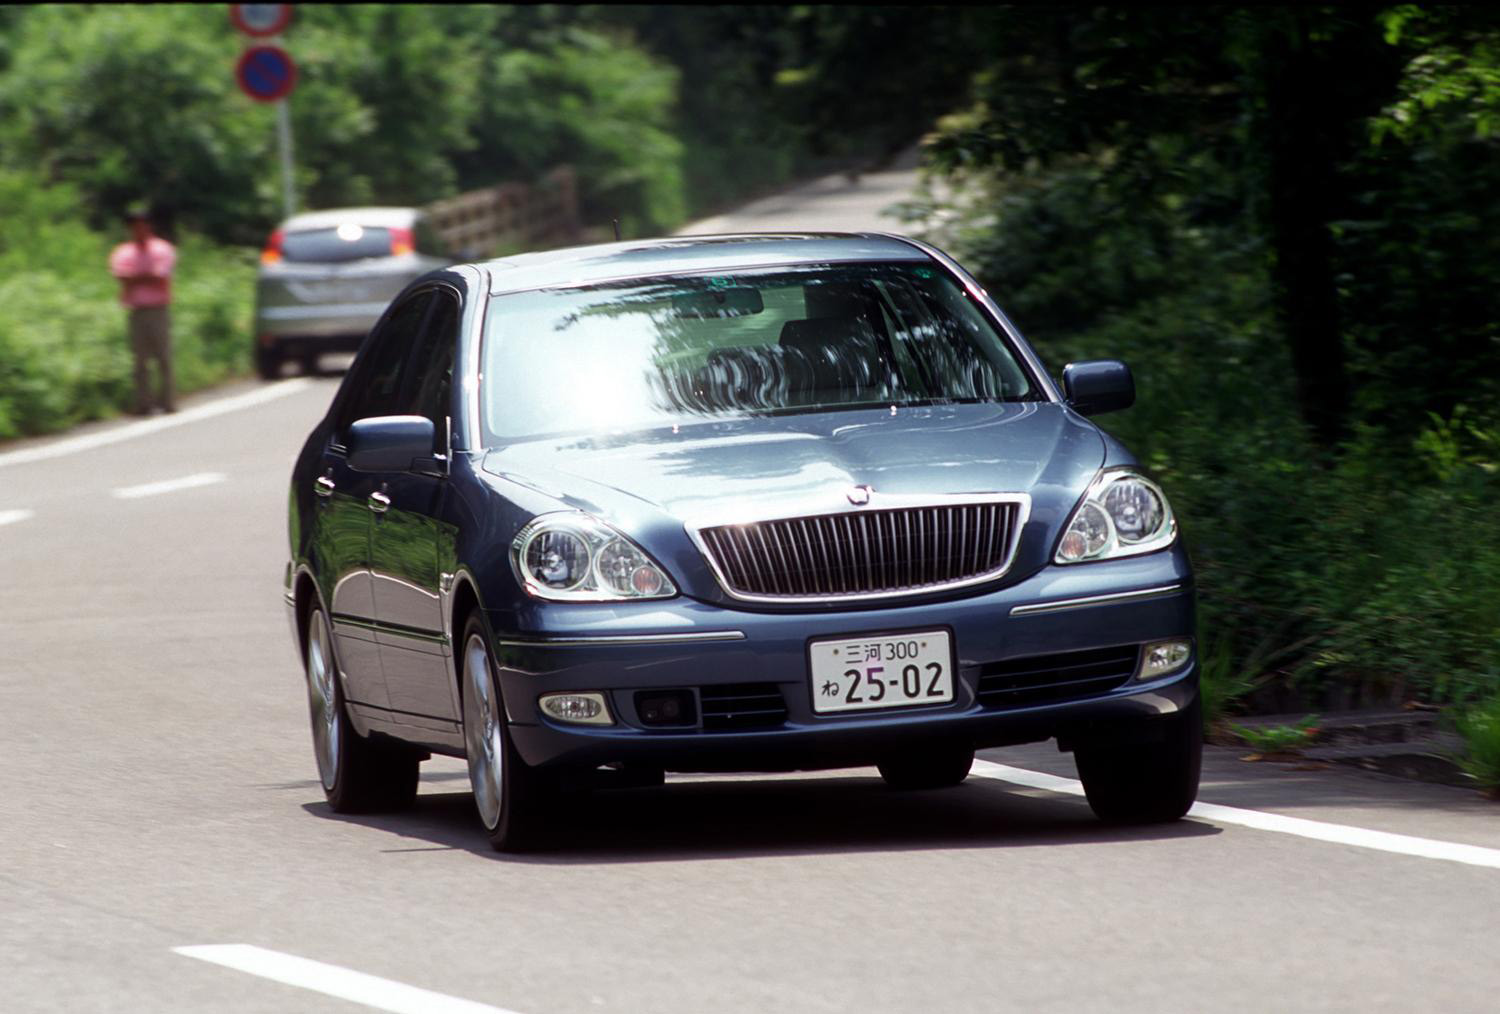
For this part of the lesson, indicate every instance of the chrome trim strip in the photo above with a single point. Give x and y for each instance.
(388, 628)
(588, 639)
(1059, 605)
(878, 501)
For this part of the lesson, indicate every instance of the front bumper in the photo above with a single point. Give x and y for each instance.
(1060, 610)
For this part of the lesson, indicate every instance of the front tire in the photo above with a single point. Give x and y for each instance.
(927, 768)
(508, 793)
(1150, 783)
(358, 775)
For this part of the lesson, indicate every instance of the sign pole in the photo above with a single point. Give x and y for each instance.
(284, 138)
(267, 74)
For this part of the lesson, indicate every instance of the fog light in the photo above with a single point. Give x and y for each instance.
(579, 708)
(1162, 658)
(666, 707)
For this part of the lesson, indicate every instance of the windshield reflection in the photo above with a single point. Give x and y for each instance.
(787, 341)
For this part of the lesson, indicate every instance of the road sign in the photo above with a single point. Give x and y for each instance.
(266, 73)
(260, 20)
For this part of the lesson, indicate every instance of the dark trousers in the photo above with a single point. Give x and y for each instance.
(151, 338)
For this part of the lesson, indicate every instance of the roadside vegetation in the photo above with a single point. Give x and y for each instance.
(1480, 728)
(664, 113)
(1286, 221)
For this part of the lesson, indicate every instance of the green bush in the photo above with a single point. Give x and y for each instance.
(1365, 575)
(1480, 728)
(1279, 738)
(64, 354)
(1220, 681)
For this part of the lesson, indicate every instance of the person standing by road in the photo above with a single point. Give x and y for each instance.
(143, 264)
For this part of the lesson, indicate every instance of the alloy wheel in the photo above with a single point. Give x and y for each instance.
(482, 735)
(323, 700)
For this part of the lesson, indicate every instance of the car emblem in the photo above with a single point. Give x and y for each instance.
(859, 495)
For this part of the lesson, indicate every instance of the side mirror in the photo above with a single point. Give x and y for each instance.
(1098, 385)
(389, 443)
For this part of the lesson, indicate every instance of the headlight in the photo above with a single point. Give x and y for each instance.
(573, 557)
(1122, 514)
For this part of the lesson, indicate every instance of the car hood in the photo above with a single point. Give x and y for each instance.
(652, 482)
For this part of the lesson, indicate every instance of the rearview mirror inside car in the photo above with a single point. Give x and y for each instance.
(718, 302)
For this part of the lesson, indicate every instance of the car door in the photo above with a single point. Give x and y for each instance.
(347, 501)
(411, 548)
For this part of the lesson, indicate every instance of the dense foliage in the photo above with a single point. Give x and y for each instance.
(64, 357)
(105, 105)
(1286, 220)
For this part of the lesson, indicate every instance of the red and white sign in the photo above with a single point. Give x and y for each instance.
(260, 20)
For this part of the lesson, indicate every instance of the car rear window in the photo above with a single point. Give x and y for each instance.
(347, 242)
(804, 339)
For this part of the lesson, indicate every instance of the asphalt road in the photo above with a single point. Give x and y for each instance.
(160, 793)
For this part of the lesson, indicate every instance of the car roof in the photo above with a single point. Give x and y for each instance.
(387, 218)
(585, 265)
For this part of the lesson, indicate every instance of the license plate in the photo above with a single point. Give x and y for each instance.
(881, 671)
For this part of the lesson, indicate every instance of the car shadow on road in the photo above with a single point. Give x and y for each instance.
(738, 817)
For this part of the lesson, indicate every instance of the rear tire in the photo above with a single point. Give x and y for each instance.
(358, 775)
(927, 768)
(268, 362)
(1150, 783)
(509, 794)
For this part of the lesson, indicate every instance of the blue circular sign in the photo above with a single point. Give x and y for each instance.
(266, 73)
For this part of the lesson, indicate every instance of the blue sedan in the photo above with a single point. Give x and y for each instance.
(753, 502)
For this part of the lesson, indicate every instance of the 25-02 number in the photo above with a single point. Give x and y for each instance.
(911, 683)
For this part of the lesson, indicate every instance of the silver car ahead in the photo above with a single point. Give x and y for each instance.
(327, 276)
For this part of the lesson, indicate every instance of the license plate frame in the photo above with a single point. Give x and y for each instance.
(832, 683)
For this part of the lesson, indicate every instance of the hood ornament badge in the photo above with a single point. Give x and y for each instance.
(859, 495)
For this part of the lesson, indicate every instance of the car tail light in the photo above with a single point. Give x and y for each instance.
(401, 242)
(272, 253)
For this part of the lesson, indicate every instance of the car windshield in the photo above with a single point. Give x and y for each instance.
(670, 350)
(348, 242)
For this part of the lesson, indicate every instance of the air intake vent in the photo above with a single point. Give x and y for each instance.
(1046, 679)
(742, 706)
(866, 553)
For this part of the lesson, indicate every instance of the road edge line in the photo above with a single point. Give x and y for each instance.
(223, 406)
(1301, 827)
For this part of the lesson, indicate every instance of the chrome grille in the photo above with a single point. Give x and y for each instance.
(864, 553)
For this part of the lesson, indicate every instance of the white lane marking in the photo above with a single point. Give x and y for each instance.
(331, 980)
(1341, 834)
(12, 516)
(168, 485)
(60, 448)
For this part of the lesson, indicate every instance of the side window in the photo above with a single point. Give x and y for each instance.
(427, 392)
(378, 386)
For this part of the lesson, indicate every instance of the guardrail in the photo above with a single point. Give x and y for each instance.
(510, 217)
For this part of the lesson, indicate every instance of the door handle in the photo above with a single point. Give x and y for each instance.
(323, 486)
(379, 502)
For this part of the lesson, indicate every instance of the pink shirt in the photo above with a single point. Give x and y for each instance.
(158, 259)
